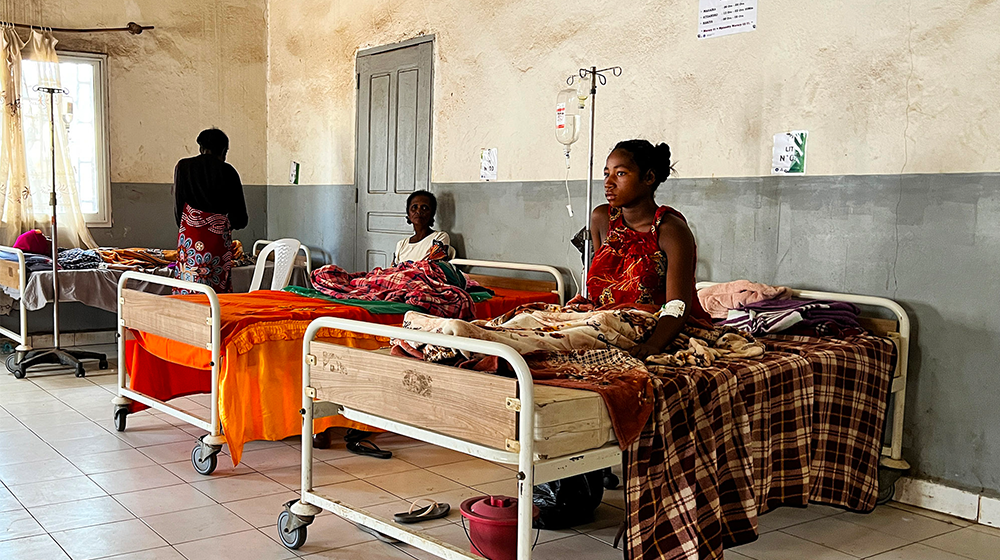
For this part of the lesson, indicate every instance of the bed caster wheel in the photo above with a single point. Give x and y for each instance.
(21, 372)
(611, 480)
(291, 539)
(204, 466)
(80, 372)
(120, 415)
(103, 364)
(887, 478)
(12, 364)
(886, 493)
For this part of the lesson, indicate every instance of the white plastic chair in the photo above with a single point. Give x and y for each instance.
(284, 260)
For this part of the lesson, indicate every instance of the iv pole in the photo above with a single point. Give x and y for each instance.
(595, 77)
(56, 355)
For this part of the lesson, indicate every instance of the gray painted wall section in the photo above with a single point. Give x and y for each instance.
(143, 216)
(932, 242)
(320, 216)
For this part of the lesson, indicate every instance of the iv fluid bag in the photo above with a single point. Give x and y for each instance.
(567, 117)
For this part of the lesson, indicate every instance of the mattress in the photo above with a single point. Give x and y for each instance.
(569, 421)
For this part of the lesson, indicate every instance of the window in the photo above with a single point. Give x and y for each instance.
(84, 75)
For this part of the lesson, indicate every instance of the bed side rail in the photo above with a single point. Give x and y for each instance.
(13, 275)
(305, 259)
(517, 283)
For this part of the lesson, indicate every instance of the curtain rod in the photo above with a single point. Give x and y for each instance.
(132, 27)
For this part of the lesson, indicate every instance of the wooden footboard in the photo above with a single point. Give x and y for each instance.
(461, 403)
(172, 318)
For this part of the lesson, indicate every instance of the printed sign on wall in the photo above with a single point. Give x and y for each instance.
(789, 155)
(725, 17)
(488, 164)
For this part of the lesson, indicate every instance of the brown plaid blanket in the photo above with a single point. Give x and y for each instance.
(727, 442)
(851, 379)
(719, 438)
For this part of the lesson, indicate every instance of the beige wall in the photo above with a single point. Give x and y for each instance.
(882, 87)
(203, 65)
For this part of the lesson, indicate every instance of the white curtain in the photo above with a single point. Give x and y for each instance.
(15, 195)
(35, 107)
(27, 157)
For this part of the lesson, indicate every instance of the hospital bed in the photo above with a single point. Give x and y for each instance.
(222, 344)
(93, 287)
(548, 432)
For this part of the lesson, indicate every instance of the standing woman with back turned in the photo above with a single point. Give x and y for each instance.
(208, 205)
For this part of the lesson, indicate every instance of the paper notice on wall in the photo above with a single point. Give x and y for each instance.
(488, 164)
(293, 173)
(789, 155)
(725, 17)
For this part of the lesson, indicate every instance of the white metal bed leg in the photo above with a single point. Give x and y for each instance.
(120, 400)
(525, 466)
(303, 508)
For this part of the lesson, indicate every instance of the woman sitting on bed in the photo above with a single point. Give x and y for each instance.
(644, 253)
(425, 244)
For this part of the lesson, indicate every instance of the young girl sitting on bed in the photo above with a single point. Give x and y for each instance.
(425, 244)
(644, 253)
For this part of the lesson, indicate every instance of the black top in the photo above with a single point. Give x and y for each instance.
(211, 185)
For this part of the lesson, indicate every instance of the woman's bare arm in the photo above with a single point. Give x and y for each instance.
(677, 242)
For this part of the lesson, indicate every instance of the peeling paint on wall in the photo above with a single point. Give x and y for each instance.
(882, 87)
(203, 65)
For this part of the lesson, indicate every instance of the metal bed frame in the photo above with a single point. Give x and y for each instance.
(532, 469)
(200, 326)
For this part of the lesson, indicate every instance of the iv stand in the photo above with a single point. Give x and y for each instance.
(56, 355)
(595, 77)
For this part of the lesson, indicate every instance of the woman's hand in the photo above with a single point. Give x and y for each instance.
(644, 350)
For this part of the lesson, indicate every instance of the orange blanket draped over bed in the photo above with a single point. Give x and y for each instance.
(260, 377)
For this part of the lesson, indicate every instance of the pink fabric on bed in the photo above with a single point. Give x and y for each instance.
(34, 241)
(717, 300)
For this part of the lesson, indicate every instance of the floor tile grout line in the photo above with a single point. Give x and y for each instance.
(924, 540)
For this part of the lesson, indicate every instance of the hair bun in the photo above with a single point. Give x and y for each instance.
(664, 166)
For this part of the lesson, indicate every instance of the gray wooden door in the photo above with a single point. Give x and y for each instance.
(393, 144)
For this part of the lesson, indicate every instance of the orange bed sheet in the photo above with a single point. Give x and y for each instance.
(260, 377)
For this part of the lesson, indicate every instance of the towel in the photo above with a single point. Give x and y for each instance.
(718, 299)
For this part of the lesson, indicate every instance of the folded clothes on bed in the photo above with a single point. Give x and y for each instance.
(137, 258)
(424, 284)
(79, 259)
(718, 299)
(800, 316)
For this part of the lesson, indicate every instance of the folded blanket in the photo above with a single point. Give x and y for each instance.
(421, 283)
(816, 316)
(718, 299)
(137, 258)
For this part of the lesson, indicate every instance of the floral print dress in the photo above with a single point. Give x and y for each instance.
(204, 250)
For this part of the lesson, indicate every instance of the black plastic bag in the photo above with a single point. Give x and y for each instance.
(568, 502)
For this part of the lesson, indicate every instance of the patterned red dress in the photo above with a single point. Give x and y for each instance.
(204, 250)
(630, 267)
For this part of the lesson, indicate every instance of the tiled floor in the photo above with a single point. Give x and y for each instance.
(73, 487)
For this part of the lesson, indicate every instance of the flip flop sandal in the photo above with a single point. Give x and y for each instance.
(353, 434)
(382, 537)
(416, 514)
(367, 448)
